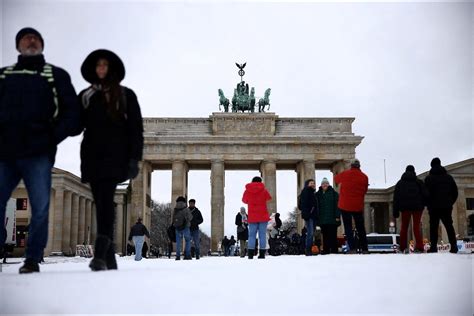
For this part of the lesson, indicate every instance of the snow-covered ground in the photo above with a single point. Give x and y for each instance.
(418, 284)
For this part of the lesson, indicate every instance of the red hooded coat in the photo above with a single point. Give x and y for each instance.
(256, 196)
(354, 185)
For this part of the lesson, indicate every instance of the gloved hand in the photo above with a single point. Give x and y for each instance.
(396, 214)
(132, 169)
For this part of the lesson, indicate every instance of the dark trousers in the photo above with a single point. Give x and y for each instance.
(329, 238)
(103, 192)
(445, 215)
(359, 223)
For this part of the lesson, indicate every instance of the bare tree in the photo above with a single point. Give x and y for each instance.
(161, 220)
(291, 223)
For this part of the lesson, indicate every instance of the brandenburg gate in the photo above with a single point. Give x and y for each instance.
(239, 141)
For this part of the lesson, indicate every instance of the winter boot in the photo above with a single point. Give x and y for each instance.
(308, 252)
(261, 253)
(187, 258)
(454, 249)
(251, 253)
(110, 260)
(102, 244)
(30, 266)
(177, 258)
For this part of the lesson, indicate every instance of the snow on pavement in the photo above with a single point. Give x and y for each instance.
(429, 284)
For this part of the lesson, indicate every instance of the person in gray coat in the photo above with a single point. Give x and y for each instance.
(182, 222)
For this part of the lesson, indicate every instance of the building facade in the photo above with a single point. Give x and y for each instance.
(379, 205)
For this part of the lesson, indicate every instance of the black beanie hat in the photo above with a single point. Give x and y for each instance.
(410, 168)
(181, 199)
(436, 162)
(27, 30)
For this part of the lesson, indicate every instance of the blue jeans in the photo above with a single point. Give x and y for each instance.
(261, 227)
(186, 233)
(309, 224)
(36, 174)
(138, 242)
(196, 236)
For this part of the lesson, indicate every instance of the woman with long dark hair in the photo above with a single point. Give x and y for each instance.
(112, 145)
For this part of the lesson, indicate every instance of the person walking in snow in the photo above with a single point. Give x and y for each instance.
(38, 110)
(256, 197)
(329, 216)
(308, 204)
(241, 221)
(182, 222)
(137, 234)
(112, 144)
(194, 228)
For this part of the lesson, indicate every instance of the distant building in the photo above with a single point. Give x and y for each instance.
(72, 218)
(379, 205)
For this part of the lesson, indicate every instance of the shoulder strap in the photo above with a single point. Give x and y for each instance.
(47, 73)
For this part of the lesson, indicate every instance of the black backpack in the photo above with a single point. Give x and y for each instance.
(179, 221)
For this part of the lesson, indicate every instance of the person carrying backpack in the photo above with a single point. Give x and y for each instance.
(182, 222)
(409, 198)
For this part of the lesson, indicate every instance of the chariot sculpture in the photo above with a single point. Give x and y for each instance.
(244, 100)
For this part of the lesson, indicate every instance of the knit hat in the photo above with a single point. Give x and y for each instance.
(325, 180)
(181, 199)
(436, 162)
(27, 30)
(242, 209)
(410, 168)
(355, 163)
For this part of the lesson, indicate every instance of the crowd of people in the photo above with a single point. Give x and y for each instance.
(39, 108)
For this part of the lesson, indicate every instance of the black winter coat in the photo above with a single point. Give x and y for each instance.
(197, 218)
(243, 234)
(109, 144)
(309, 203)
(27, 127)
(138, 230)
(442, 189)
(410, 194)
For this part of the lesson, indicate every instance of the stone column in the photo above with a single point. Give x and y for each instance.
(179, 175)
(217, 202)
(58, 220)
(425, 224)
(367, 217)
(88, 223)
(93, 230)
(461, 209)
(49, 245)
(141, 193)
(305, 170)
(82, 219)
(119, 227)
(268, 168)
(74, 222)
(66, 242)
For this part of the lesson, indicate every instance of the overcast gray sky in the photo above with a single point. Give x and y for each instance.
(403, 70)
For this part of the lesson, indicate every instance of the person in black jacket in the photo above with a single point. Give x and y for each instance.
(195, 222)
(112, 143)
(410, 198)
(443, 193)
(38, 110)
(241, 221)
(137, 234)
(309, 212)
